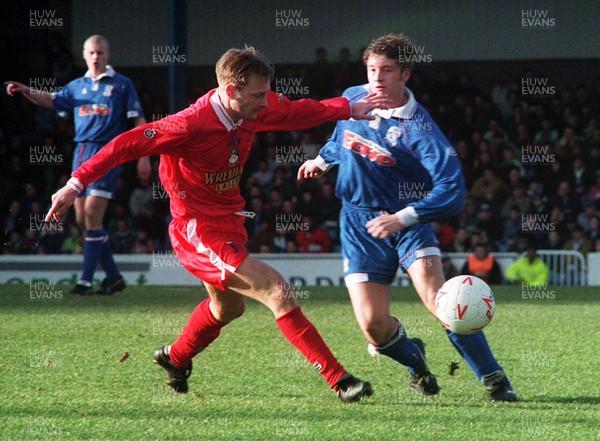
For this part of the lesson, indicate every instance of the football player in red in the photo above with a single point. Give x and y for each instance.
(203, 150)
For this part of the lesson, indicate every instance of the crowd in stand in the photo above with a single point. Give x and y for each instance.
(531, 163)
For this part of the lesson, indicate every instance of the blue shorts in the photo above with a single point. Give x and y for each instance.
(367, 259)
(105, 186)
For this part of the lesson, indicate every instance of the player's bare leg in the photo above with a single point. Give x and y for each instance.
(259, 281)
(387, 336)
(225, 306)
(371, 304)
(427, 277)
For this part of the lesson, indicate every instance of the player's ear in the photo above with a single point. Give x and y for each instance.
(230, 91)
(405, 75)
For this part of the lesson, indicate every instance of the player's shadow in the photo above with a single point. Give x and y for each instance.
(565, 400)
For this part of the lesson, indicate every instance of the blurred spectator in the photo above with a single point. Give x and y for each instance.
(578, 241)
(263, 238)
(143, 244)
(565, 200)
(517, 199)
(123, 238)
(483, 265)
(448, 268)
(142, 197)
(580, 174)
(488, 181)
(584, 218)
(73, 243)
(263, 176)
(512, 228)
(444, 233)
(320, 76)
(530, 270)
(500, 93)
(51, 240)
(487, 221)
(593, 232)
(312, 239)
(459, 244)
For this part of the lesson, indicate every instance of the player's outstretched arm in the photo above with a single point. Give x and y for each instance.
(37, 97)
(361, 109)
(310, 169)
(62, 201)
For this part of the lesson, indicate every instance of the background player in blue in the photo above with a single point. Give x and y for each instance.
(397, 174)
(102, 103)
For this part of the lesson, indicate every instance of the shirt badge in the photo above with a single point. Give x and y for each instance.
(149, 133)
(233, 156)
(392, 135)
(108, 90)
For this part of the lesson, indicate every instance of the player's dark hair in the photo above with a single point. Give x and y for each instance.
(393, 46)
(237, 65)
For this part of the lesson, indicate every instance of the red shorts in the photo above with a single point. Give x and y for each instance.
(211, 249)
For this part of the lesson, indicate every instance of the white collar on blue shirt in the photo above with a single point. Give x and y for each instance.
(110, 72)
(404, 112)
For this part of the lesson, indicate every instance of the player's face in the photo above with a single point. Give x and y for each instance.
(387, 77)
(250, 100)
(96, 57)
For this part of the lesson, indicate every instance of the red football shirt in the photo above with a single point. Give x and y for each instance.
(203, 152)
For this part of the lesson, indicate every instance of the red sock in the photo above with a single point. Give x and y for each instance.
(200, 331)
(304, 336)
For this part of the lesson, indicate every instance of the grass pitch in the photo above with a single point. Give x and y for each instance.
(81, 368)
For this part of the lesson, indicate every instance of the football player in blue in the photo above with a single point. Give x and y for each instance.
(397, 174)
(103, 104)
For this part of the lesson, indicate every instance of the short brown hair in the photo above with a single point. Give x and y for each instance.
(392, 46)
(237, 65)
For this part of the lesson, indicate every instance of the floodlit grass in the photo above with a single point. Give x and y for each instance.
(61, 377)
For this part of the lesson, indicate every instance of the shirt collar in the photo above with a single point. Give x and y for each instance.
(404, 112)
(222, 114)
(110, 72)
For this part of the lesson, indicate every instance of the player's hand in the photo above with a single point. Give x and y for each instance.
(13, 88)
(384, 226)
(61, 201)
(361, 109)
(309, 169)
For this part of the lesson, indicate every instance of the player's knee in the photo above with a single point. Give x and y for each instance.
(280, 295)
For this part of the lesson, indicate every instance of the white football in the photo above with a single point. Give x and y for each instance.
(465, 304)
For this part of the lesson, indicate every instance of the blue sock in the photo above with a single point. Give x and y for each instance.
(106, 259)
(476, 351)
(403, 350)
(92, 248)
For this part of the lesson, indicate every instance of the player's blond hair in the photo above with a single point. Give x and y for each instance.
(237, 65)
(98, 39)
(392, 46)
